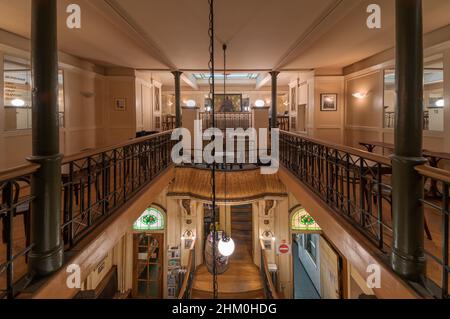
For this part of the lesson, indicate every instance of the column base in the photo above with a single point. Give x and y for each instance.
(408, 267)
(46, 263)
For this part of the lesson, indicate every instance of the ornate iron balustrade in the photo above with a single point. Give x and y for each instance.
(97, 183)
(438, 257)
(355, 184)
(15, 201)
(94, 185)
(227, 120)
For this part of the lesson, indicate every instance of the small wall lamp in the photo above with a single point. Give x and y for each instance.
(360, 95)
(188, 234)
(268, 235)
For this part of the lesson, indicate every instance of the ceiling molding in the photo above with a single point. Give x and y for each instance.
(153, 49)
(314, 31)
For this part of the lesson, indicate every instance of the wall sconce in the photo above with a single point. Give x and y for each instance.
(268, 235)
(87, 94)
(360, 95)
(188, 234)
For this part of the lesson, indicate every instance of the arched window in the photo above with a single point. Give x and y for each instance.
(302, 221)
(151, 219)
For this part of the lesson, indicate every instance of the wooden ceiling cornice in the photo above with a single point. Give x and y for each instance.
(239, 186)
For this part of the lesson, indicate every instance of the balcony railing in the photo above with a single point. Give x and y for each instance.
(94, 186)
(438, 258)
(357, 186)
(15, 203)
(227, 120)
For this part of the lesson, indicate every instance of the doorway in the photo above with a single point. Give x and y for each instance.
(242, 231)
(317, 268)
(148, 266)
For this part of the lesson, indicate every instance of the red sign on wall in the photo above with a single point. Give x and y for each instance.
(284, 248)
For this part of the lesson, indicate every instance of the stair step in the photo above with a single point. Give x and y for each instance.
(255, 294)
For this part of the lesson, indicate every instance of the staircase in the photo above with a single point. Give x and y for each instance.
(242, 280)
(241, 226)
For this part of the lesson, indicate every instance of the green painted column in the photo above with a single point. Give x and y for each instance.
(46, 255)
(274, 75)
(177, 75)
(408, 258)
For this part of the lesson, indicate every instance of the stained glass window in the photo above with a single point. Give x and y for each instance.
(302, 221)
(151, 219)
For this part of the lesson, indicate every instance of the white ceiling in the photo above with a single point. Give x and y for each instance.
(261, 34)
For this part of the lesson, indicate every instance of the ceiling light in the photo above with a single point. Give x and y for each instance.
(260, 103)
(18, 102)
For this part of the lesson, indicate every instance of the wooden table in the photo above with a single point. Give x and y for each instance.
(433, 158)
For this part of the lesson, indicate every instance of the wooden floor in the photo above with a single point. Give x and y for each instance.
(241, 281)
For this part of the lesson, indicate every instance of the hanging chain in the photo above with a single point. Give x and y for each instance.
(211, 81)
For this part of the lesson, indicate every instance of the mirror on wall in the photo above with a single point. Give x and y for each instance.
(433, 97)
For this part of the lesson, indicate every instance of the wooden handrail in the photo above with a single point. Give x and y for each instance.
(434, 173)
(351, 150)
(27, 169)
(187, 276)
(267, 273)
(96, 151)
(18, 171)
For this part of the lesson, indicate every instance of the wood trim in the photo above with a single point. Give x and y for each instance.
(272, 288)
(353, 245)
(435, 173)
(18, 171)
(188, 273)
(82, 155)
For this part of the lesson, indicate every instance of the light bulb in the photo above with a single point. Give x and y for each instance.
(226, 248)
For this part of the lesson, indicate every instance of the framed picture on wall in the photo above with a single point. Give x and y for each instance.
(328, 102)
(120, 104)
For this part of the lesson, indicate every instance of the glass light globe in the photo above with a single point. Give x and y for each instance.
(18, 102)
(260, 103)
(191, 103)
(226, 248)
(440, 103)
